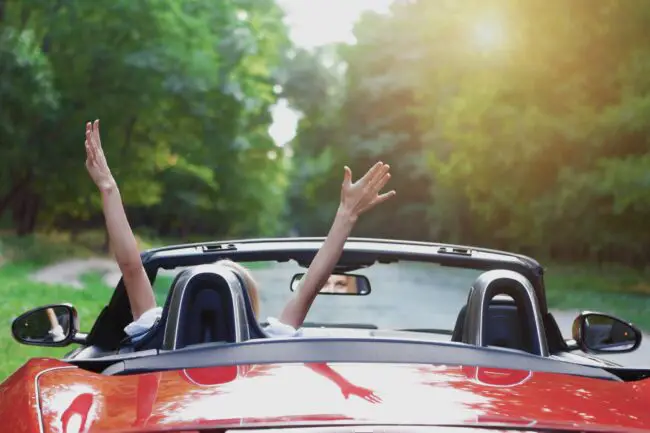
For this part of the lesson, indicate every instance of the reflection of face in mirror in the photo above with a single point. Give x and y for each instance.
(340, 284)
(47, 325)
(608, 334)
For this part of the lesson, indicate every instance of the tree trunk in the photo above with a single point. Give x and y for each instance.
(128, 134)
(25, 212)
(16, 189)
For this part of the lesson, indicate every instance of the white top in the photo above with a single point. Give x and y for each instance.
(137, 329)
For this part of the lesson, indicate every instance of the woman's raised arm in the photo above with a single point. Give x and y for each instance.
(121, 238)
(356, 198)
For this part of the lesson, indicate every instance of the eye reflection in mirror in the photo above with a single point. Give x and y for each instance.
(339, 284)
(601, 333)
(50, 326)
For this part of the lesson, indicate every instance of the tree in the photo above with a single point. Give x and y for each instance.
(183, 90)
(518, 125)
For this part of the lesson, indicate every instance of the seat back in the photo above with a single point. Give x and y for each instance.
(207, 314)
(505, 326)
(208, 305)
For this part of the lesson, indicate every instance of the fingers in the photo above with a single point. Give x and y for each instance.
(93, 144)
(88, 131)
(381, 198)
(90, 151)
(378, 176)
(372, 172)
(347, 175)
(381, 183)
(98, 141)
(94, 135)
(375, 175)
(89, 134)
(385, 196)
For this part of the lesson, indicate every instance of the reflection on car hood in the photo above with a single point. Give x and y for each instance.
(332, 394)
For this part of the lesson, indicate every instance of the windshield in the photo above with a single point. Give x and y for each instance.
(403, 295)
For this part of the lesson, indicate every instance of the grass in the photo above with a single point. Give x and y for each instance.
(616, 290)
(19, 294)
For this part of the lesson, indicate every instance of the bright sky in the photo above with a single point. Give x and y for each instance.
(313, 23)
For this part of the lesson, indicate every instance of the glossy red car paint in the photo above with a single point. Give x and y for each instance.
(67, 399)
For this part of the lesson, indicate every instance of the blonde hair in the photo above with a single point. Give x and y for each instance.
(249, 282)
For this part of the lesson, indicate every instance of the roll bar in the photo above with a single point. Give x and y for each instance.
(497, 282)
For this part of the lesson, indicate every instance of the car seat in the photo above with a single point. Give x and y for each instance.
(206, 313)
(504, 326)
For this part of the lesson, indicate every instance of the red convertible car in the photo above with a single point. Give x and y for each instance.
(406, 337)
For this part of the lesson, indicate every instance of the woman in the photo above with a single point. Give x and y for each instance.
(356, 198)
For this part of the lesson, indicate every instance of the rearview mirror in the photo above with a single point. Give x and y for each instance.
(602, 333)
(339, 284)
(52, 325)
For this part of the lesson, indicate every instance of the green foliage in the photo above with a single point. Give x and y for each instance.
(518, 125)
(183, 90)
(43, 249)
(617, 290)
(534, 141)
(312, 84)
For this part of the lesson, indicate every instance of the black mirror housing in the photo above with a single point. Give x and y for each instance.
(54, 325)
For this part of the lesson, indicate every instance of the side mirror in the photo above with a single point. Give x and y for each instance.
(602, 333)
(339, 284)
(51, 325)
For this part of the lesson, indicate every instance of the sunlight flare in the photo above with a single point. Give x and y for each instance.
(489, 34)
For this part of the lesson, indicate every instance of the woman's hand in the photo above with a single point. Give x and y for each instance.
(95, 160)
(362, 195)
(356, 198)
